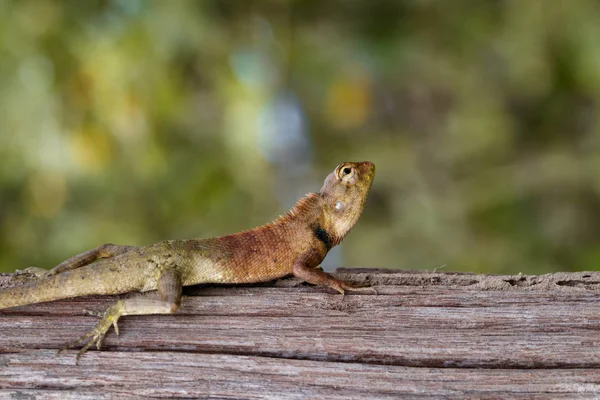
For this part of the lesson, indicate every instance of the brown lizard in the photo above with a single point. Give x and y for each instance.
(295, 243)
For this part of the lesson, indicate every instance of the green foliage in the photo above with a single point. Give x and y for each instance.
(133, 121)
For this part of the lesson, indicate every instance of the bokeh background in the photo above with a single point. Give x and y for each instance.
(132, 122)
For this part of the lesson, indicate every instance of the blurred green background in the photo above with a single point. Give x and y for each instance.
(132, 122)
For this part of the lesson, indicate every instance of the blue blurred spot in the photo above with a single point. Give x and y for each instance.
(282, 131)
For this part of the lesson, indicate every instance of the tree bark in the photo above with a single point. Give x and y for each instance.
(423, 335)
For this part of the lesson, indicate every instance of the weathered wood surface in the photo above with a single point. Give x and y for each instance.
(425, 335)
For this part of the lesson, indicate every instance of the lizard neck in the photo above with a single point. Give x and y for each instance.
(309, 212)
(307, 209)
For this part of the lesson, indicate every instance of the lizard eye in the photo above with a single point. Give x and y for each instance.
(347, 174)
(340, 205)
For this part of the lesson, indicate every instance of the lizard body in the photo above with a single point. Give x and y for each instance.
(295, 243)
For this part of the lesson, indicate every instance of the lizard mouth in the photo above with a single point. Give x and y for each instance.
(367, 168)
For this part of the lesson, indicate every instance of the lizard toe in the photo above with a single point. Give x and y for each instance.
(352, 288)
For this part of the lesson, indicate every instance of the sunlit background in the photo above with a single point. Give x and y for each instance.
(132, 122)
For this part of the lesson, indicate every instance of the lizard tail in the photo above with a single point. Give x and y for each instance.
(101, 278)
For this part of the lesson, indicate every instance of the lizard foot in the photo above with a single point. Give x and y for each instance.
(95, 337)
(30, 273)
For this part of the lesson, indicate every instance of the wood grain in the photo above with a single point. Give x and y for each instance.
(424, 335)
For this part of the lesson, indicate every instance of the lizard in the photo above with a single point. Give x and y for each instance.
(294, 244)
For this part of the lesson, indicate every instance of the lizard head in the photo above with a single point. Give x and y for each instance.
(344, 194)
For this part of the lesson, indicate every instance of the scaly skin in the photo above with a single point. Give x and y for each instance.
(295, 243)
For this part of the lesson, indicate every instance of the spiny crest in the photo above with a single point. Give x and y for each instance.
(302, 207)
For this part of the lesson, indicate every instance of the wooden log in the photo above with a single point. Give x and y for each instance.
(424, 335)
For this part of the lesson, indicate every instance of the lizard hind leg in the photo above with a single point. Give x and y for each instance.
(103, 251)
(169, 288)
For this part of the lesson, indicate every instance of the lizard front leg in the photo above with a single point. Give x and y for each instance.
(306, 269)
(103, 251)
(169, 288)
